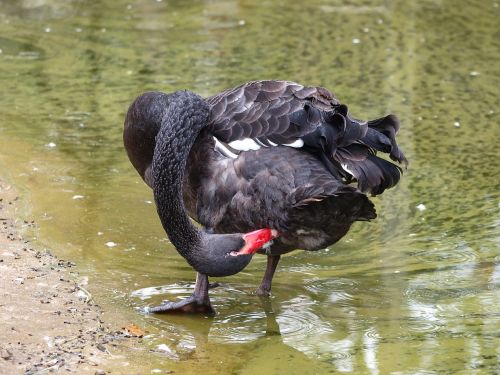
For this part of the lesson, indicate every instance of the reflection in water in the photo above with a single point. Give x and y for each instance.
(415, 291)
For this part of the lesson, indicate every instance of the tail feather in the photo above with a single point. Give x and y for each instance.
(346, 204)
(373, 174)
(377, 141)
(348, 147)
(353, 150)
(389, 126)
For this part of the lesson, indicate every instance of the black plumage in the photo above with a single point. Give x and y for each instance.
(184, 148)
(283, 112)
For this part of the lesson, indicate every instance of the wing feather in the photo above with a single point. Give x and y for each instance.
(274, 113)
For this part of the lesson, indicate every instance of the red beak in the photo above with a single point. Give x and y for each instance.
(256, 239)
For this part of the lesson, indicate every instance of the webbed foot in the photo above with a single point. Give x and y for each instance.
(198, 302)
(263, 291)
(191, 304)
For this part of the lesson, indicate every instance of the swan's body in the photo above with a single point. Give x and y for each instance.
(283, 188)
(267, 154)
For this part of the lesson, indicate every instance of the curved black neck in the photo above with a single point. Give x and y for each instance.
(185, 116)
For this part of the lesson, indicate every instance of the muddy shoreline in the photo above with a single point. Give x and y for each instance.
(48, 319)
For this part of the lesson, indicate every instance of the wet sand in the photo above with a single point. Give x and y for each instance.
(48, 319)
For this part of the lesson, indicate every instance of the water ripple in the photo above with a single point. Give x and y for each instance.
(175, 289)
(325, 286)
(461, 253)
(297, 320)
(223, 291)
(372, 333)
(340, 291)
(239, 327)
(421, 325)
(297, 323)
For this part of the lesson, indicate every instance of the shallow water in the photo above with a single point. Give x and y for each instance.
(414, 292)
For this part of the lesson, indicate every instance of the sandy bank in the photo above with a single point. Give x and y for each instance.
(48, 320)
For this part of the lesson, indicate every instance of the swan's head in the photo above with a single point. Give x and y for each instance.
(142, 123)
(228, 254)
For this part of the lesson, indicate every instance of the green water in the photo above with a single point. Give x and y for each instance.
(415, 292)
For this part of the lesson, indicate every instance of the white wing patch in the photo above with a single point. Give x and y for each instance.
(224, 150)
(345, 168)
(297, 144)
(232, 149)
(244, 144)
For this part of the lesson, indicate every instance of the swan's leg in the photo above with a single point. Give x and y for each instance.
(265, 286)
(198, 302)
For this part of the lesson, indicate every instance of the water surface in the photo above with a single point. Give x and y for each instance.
(414, 292)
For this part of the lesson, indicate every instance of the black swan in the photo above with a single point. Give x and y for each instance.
(267, 162)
